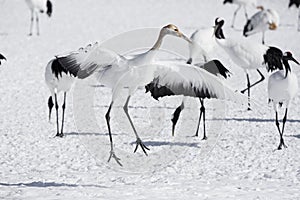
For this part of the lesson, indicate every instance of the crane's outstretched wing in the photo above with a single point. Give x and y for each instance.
(188, 80)
(215, 67)
(86, 61)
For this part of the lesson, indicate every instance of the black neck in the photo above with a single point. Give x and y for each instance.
(287, 67)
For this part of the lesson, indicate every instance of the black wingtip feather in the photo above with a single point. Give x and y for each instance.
(49, 8)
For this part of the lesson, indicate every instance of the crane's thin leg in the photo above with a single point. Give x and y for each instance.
(138, 140)
(280, 134)
(63, 115)
(37, 25)
(176, 115)
(234, 16)
(263, 37)
(260, 80)
(248, 87)
(199, 120)
(31, 23)
(112, 153)
(203, 111)
(283, 124)
(50, 106)
(57, 124)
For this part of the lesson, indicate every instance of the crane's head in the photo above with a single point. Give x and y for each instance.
(260, 8)
(171, 29)
(218, 32)
(289, 56)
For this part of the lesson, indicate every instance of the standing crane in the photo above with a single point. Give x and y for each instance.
(282, 88)
(35, 7)
(58, 79)
(248, 55)
(262, 21)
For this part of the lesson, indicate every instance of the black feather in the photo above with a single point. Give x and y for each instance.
(227, 1)
(49, 8)
(216, 67)
(294, 2)
(2, 57)
(58, 69)
(248, 27)
(273, 59)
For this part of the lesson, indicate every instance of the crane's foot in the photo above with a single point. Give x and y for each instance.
(59, 135)
(140, 143)
(204, 137)
(249, 109)
(113, 155)
(281, 145)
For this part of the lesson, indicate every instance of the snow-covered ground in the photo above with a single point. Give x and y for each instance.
(238, 161)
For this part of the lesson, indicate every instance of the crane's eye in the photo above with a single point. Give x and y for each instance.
(176, 29)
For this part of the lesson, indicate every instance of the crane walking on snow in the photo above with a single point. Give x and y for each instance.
(282, 88)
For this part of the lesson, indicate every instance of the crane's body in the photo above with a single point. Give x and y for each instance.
(58, 80)
(262, 21)
(248, 55)
(117, 72)
(282, 88)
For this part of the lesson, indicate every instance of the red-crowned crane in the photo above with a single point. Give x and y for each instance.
(248, 55)
(262, 21)
(110, 67)
(58, 79)
(35, 7)
(282, 88)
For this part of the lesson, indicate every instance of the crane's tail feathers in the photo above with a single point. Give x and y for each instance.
(49, 8)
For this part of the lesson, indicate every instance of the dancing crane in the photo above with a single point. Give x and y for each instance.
(110, 67)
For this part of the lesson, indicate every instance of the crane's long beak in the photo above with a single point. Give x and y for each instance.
(185, 37)
(293, 59)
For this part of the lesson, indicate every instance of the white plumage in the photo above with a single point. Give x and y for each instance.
(240, 4)
(282, 88)
(261, 22)
(58, 79)
(247, 54)
(202, 45)
(36, 7)
(113, 70)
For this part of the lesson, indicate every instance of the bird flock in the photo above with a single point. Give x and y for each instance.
(201, 76)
